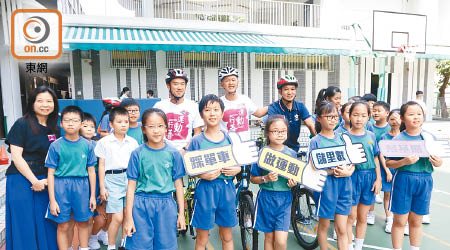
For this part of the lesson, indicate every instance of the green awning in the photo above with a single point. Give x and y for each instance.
(103, 38)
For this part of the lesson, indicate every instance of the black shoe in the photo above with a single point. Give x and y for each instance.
(121, 248)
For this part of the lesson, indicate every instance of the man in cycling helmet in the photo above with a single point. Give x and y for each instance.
(182, 114)
(292, 110)
(238, 107)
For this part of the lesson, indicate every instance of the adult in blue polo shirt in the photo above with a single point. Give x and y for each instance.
(292, 110)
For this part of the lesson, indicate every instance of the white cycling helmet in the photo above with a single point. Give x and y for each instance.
(227, 71)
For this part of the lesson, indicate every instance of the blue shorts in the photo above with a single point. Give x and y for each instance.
(72, 195)
(335, 198)
(362, 182)
(214, 202)
(116, 184)
(273, 211)
(411, 192)
(155, 219)
(386, 186)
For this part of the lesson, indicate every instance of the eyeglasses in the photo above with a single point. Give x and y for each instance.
(278, 132)
(133, 111)
(152, 127)
(331, 117)
(74, 120)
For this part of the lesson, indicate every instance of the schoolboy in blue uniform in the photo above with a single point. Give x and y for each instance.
(154, 172)
(292, 110)
(134, 111)
(71, 174)
(380, 112)
(215, 194)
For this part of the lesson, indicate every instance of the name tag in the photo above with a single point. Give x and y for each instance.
(51, 137)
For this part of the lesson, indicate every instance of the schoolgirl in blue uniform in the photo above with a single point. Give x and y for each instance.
(273, 204)
(335, 200)
(386, 178)
(366, 180)
(215, 194)
(154, 172)
(70, 162)
(26, 177)
(344, 126)
(412, 183)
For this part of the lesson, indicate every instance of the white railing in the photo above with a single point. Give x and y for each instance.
(236, 11)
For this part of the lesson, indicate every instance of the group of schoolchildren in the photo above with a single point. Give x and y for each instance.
(127, 178)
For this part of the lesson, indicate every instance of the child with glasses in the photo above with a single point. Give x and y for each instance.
(134, 112)
(273, 204)
(70, 162)
(336, 197)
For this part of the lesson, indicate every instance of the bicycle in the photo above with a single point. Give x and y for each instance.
(189, 206)
(245, 211)
(303, 220)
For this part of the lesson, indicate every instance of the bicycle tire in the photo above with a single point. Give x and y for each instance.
(190, 213)
(246, 208)
(303, 221)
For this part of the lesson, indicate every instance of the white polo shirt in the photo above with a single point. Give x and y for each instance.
(116, 153)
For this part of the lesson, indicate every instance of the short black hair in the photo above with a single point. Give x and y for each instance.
(385, 105)
(419, 92)
(150, 92)
(129, 102)
(355, 98)
(117, 111)
(210, 98)
(72, 109)
(369, 97)
(89, 117)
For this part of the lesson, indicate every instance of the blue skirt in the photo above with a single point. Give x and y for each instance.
(26, 226)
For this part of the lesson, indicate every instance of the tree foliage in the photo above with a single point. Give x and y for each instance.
(443, 67)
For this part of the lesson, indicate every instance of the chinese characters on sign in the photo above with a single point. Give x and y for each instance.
(405, 148)
(283, 164)
(32, 67)
(202, 161)
(329, 157)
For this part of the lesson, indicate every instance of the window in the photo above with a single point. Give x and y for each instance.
(294, 62)
(129, 59)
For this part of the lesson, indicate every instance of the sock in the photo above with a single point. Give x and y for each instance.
(111, 247)
(371, 212)
(122, 242)
(415, 248)
(390, 218)
(101, 232)
(94, 237)
(70, 248)
(84, 248)
(350, 247)
(397, 249)
(359, 244)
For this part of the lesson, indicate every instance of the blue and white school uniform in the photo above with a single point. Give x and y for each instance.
(154, 210)
(412, 184)
(273, 204)
(214, 201)
(336, 196)
(365, 176)
(71, 159)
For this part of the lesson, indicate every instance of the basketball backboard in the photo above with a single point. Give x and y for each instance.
(391, 30)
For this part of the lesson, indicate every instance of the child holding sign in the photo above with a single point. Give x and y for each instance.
(412, 183)
(386, 179)
(154, 172)
(366, 180)
(273, 204)
(336, 197)
(215, 193)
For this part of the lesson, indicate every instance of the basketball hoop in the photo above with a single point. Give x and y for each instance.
(409, 52)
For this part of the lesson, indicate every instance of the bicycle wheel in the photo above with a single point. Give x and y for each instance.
(303, 221)
(249, 236)
(190, 212)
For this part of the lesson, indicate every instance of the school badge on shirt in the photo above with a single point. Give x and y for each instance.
(296, 117)
(51, 137)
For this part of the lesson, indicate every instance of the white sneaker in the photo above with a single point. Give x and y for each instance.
(103, 237)
(93, 242)
(388, 227)
(426, 219)
(354, 223)
(371, 218)
(334, 235)
(406, 232)
(378, 199)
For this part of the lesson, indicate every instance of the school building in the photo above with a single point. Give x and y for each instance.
(115, 43)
